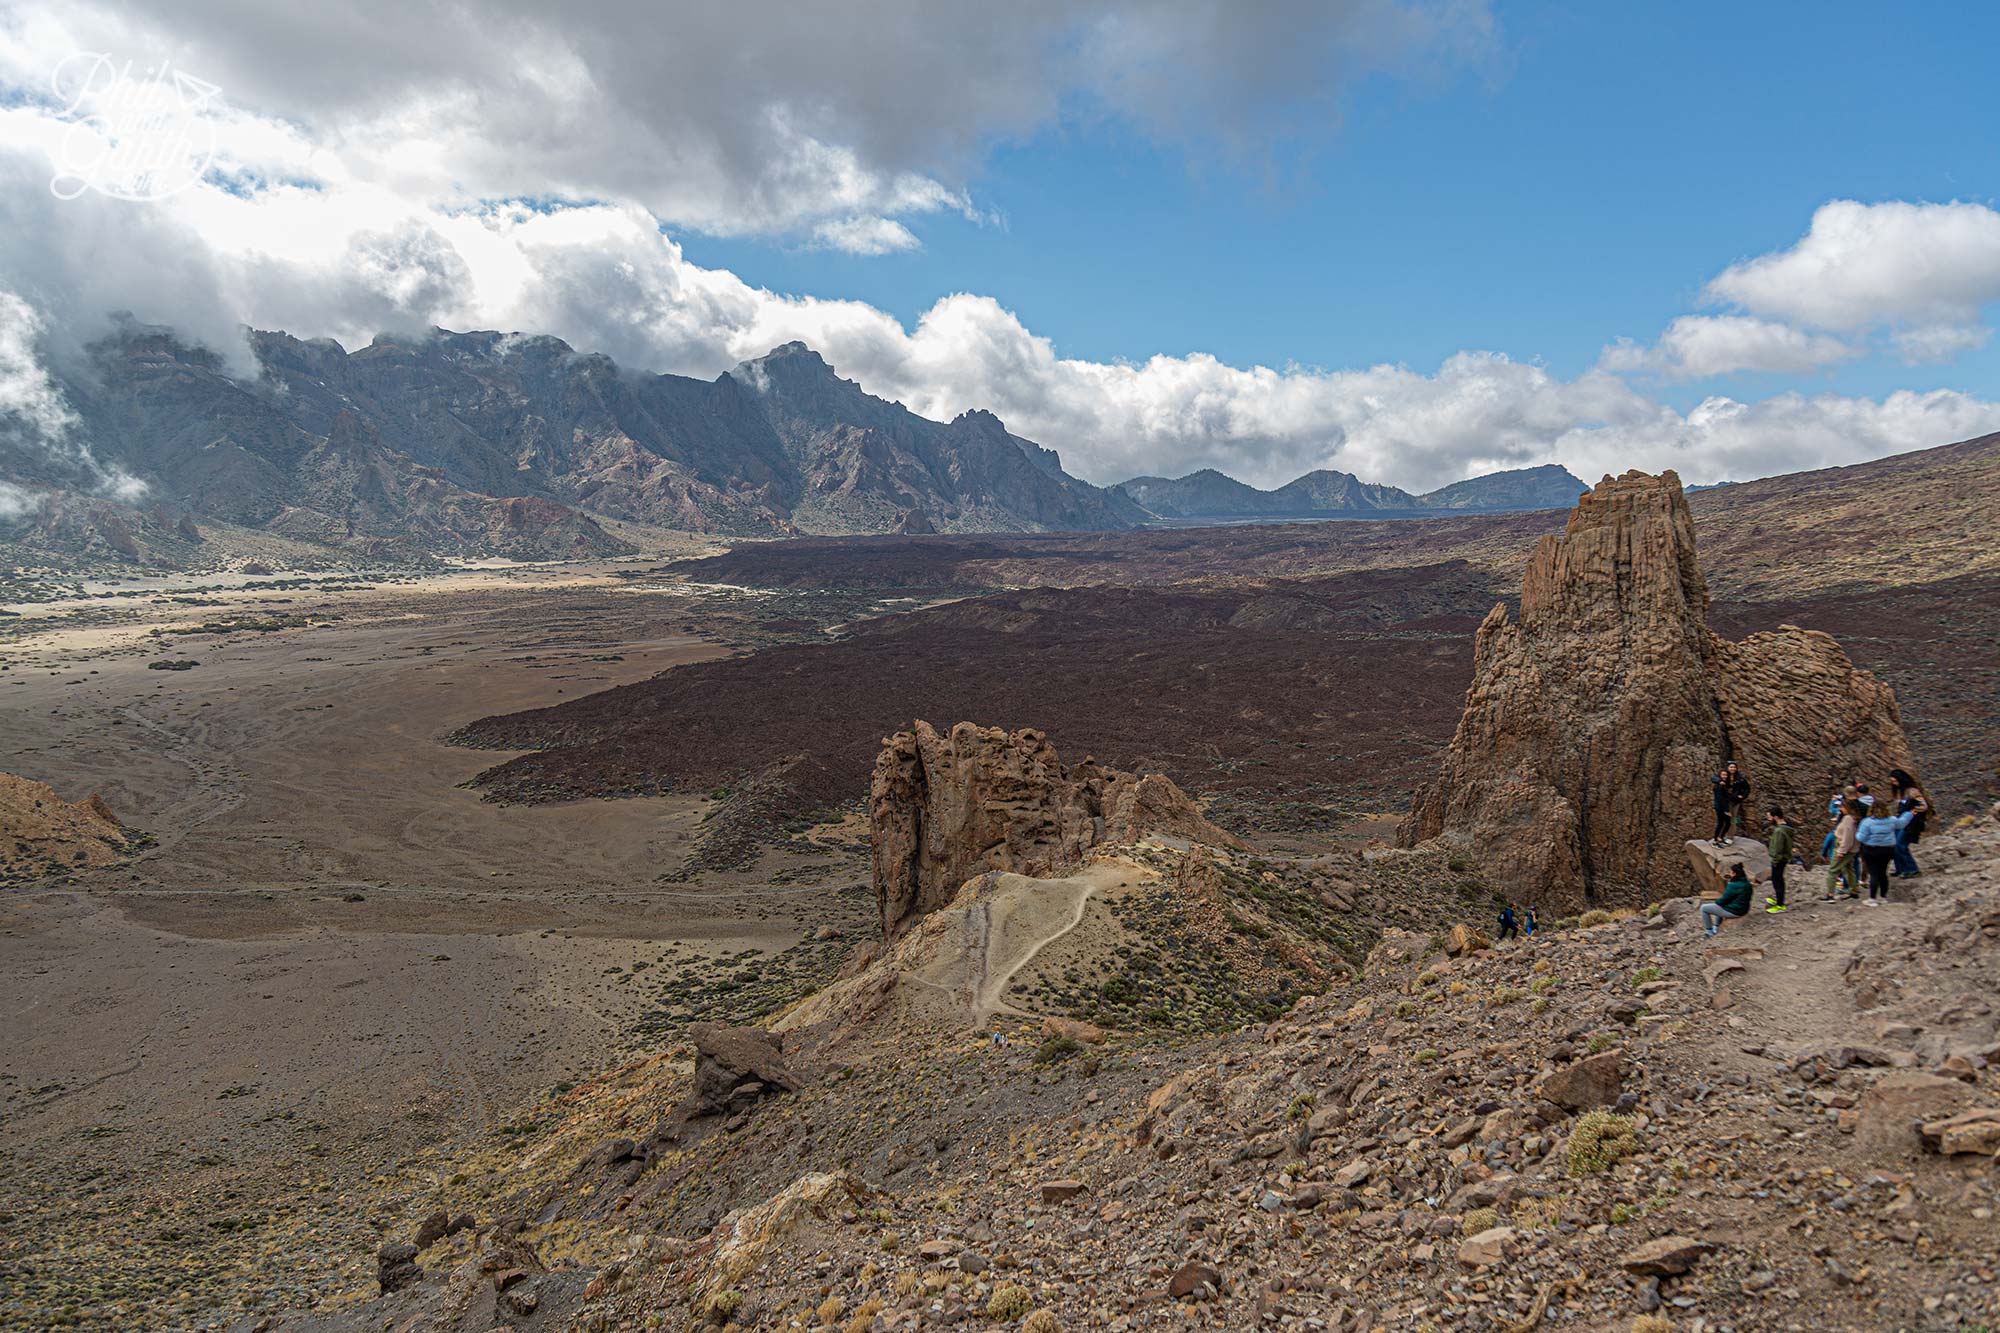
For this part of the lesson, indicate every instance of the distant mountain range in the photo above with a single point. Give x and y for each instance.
(1209, 494)
(485, 443)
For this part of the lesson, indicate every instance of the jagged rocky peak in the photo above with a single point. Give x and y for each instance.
(1581, 763)
(944, 808)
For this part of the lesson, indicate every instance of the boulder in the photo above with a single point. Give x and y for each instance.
(1887, 1120)
(1194, 1279)
(1975, 1131)
(735, 1066)
(1581, 764)
(943, 809)
(1075, 1029)
(1711, 862)
(1489, 1248)
(1669, 1256)
(396, 1267)
(747, 1237)
(1595, 1080)
(1463, 939)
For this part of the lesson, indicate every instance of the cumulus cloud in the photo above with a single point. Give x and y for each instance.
(325, 217)
(761, 116)
(1924, 271)
(1699, 346)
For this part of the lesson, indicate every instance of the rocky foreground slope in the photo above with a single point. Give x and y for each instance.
(1614, 1125)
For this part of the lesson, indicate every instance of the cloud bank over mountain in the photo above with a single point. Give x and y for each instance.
(507, 174)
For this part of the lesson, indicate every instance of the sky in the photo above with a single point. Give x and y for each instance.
(1411, 239)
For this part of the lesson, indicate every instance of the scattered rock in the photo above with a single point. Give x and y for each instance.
(1669, 1256)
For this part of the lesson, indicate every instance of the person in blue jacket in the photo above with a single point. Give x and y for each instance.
(1876, 837)
(1529, 923)
(1508, 929)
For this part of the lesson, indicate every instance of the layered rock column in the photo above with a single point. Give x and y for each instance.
(945, 808)
(1581, 763)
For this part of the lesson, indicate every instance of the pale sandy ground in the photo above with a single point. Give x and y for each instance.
(335, 958)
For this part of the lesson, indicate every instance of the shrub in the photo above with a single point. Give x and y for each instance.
(1504, 995)
(1622, 1213)
(1458, 865)
(1458, 988)
(1010, 1301)
(907, 1284)
(1480, 1219)
(1599, 1140)
(1042, 1321)
(1404, 1008)
(1056, 1048)
(1652, 1323)
(722, 1305)
(1596, 916)
(1301, 1107)
(1542, 985)
(1540, 1006)
(1603, 1041)
(829, 1309)
(1426, 1055)
(1644, 975)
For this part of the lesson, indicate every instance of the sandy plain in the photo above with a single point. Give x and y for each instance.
(236, 1054)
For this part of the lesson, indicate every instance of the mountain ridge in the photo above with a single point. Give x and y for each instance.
(1209, 493)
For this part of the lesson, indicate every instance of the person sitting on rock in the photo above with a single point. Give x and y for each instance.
(1508, 928)
(1732, 902)
(1875, 840)
(1909, 796)
(1729, 789)
(1780, 847)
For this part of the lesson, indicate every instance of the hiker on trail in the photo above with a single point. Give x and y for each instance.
(1841, 862)
(1530, 924)
(1733, 901)
(1507, 927)
(1909, 796)
(1780, 847)
(1876, 838)
(1730, 789)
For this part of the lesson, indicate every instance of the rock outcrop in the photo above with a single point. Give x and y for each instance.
(40, 833)
(736, 1066)
(1581, 764)
(945, 808)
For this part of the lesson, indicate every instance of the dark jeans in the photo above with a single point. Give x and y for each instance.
(1721, 826)
(1906, 864)
(1778, 882)
(1876, 860)
(1508, 930)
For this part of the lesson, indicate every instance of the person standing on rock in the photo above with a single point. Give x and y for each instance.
(1729, 789)
(1780, 847)
(1732, 902)
(1875, 838)
(1909, 797)
(1841, 864)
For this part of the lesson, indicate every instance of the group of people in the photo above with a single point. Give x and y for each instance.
(1870, 839)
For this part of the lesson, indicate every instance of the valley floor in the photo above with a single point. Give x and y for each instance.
(225, 1059)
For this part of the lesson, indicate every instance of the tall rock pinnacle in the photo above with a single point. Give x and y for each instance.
(1582, 760)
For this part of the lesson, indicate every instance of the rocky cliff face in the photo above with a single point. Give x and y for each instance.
(483, 443)
(945, 808)
(1582, 760)
(40, 833)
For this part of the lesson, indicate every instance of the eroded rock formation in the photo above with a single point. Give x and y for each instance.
(945, 808)
(1582, 761)
(41, 833)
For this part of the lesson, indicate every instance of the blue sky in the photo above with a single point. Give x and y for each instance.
(1415, 240)
(1585, 185)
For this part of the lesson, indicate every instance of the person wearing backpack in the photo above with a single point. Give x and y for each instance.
(1780, 847)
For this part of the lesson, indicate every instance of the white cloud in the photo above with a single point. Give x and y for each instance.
(39, 433)
(1939, 342)
(762, 116)
(1926, 269)
(1698, 346)
(865, 236)
(318, 233)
